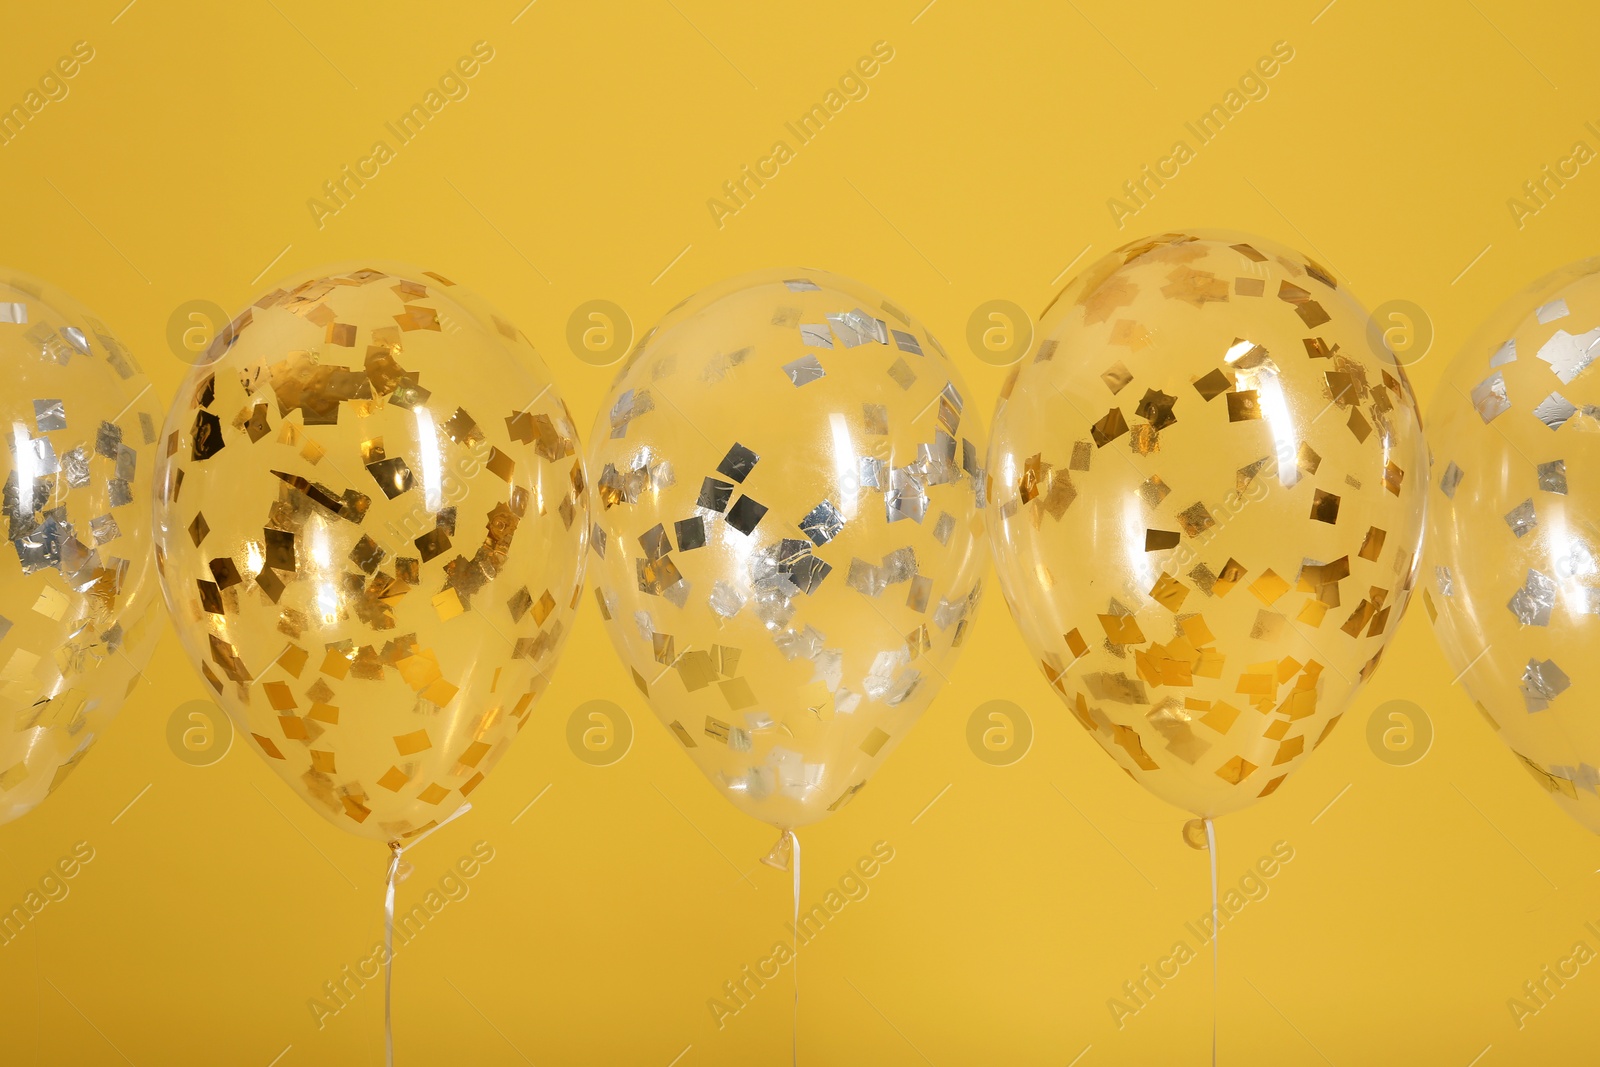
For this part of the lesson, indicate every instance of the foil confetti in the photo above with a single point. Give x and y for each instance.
(852, 451)
(374, 555)
(1253, 544)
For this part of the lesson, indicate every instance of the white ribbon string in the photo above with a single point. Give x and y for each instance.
(794, 842)
(1216, 931)
(395, 850)
(388, 954)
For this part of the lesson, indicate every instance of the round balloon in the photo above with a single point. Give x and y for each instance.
(1207, 505)
(1512, 527)
(76, 625)
(371, 511)
(789, 539)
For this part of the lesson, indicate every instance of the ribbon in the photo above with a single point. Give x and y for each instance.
(388, 953)
(1216, 930)
(394, 876)
(794, 1031)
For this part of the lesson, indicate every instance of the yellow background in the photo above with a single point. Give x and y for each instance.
(979, 166)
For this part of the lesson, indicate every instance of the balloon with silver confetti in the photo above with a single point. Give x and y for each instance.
(788, 537)
(77, 616)
(1513, 582)
(1207, 506)
(371, 512)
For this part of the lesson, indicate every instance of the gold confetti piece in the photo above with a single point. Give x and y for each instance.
(1107, 298)
(1122, 629)
(1169, 592)
(52, 604)
(1109, 428)
(1160, 540)
(1312, 613)
(737, 692)
(1359, 427)
(1243, 406)
(1144, 440)
(447, 603)
(439, 692)
(1116, 376)
(1269, 587)
(1195, 519)
(1196, 287)
(1236, 770)
(1195, 629)
(1131, 743)
(874, 741)
(279, 695)
(1220, 717)
(1156, 407)
(412, 743)
(416, 317)
(1131, 335)
(1392, 477)
(1212, 384)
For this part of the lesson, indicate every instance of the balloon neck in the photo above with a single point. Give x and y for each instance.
(782, 854)
(1194, 834)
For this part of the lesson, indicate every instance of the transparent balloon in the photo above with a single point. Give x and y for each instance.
(1513, 580)
(371, 510)
(788, 471)
(1207, 504)
(77, 623)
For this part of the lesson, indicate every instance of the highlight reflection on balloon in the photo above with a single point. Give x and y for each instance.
(1514, 529)
(1207, 493)
(76, 618)
(789, 544)
(372, 511)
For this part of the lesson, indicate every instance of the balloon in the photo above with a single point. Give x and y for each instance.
(371, 513)
(76, 627)
(1207, 505)
(1512, 525)
(789, 540)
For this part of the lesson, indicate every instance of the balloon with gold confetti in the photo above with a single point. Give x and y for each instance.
(77, 618)
(788, 539)
(1206, 511)
(371, 511)
(1513, 582)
